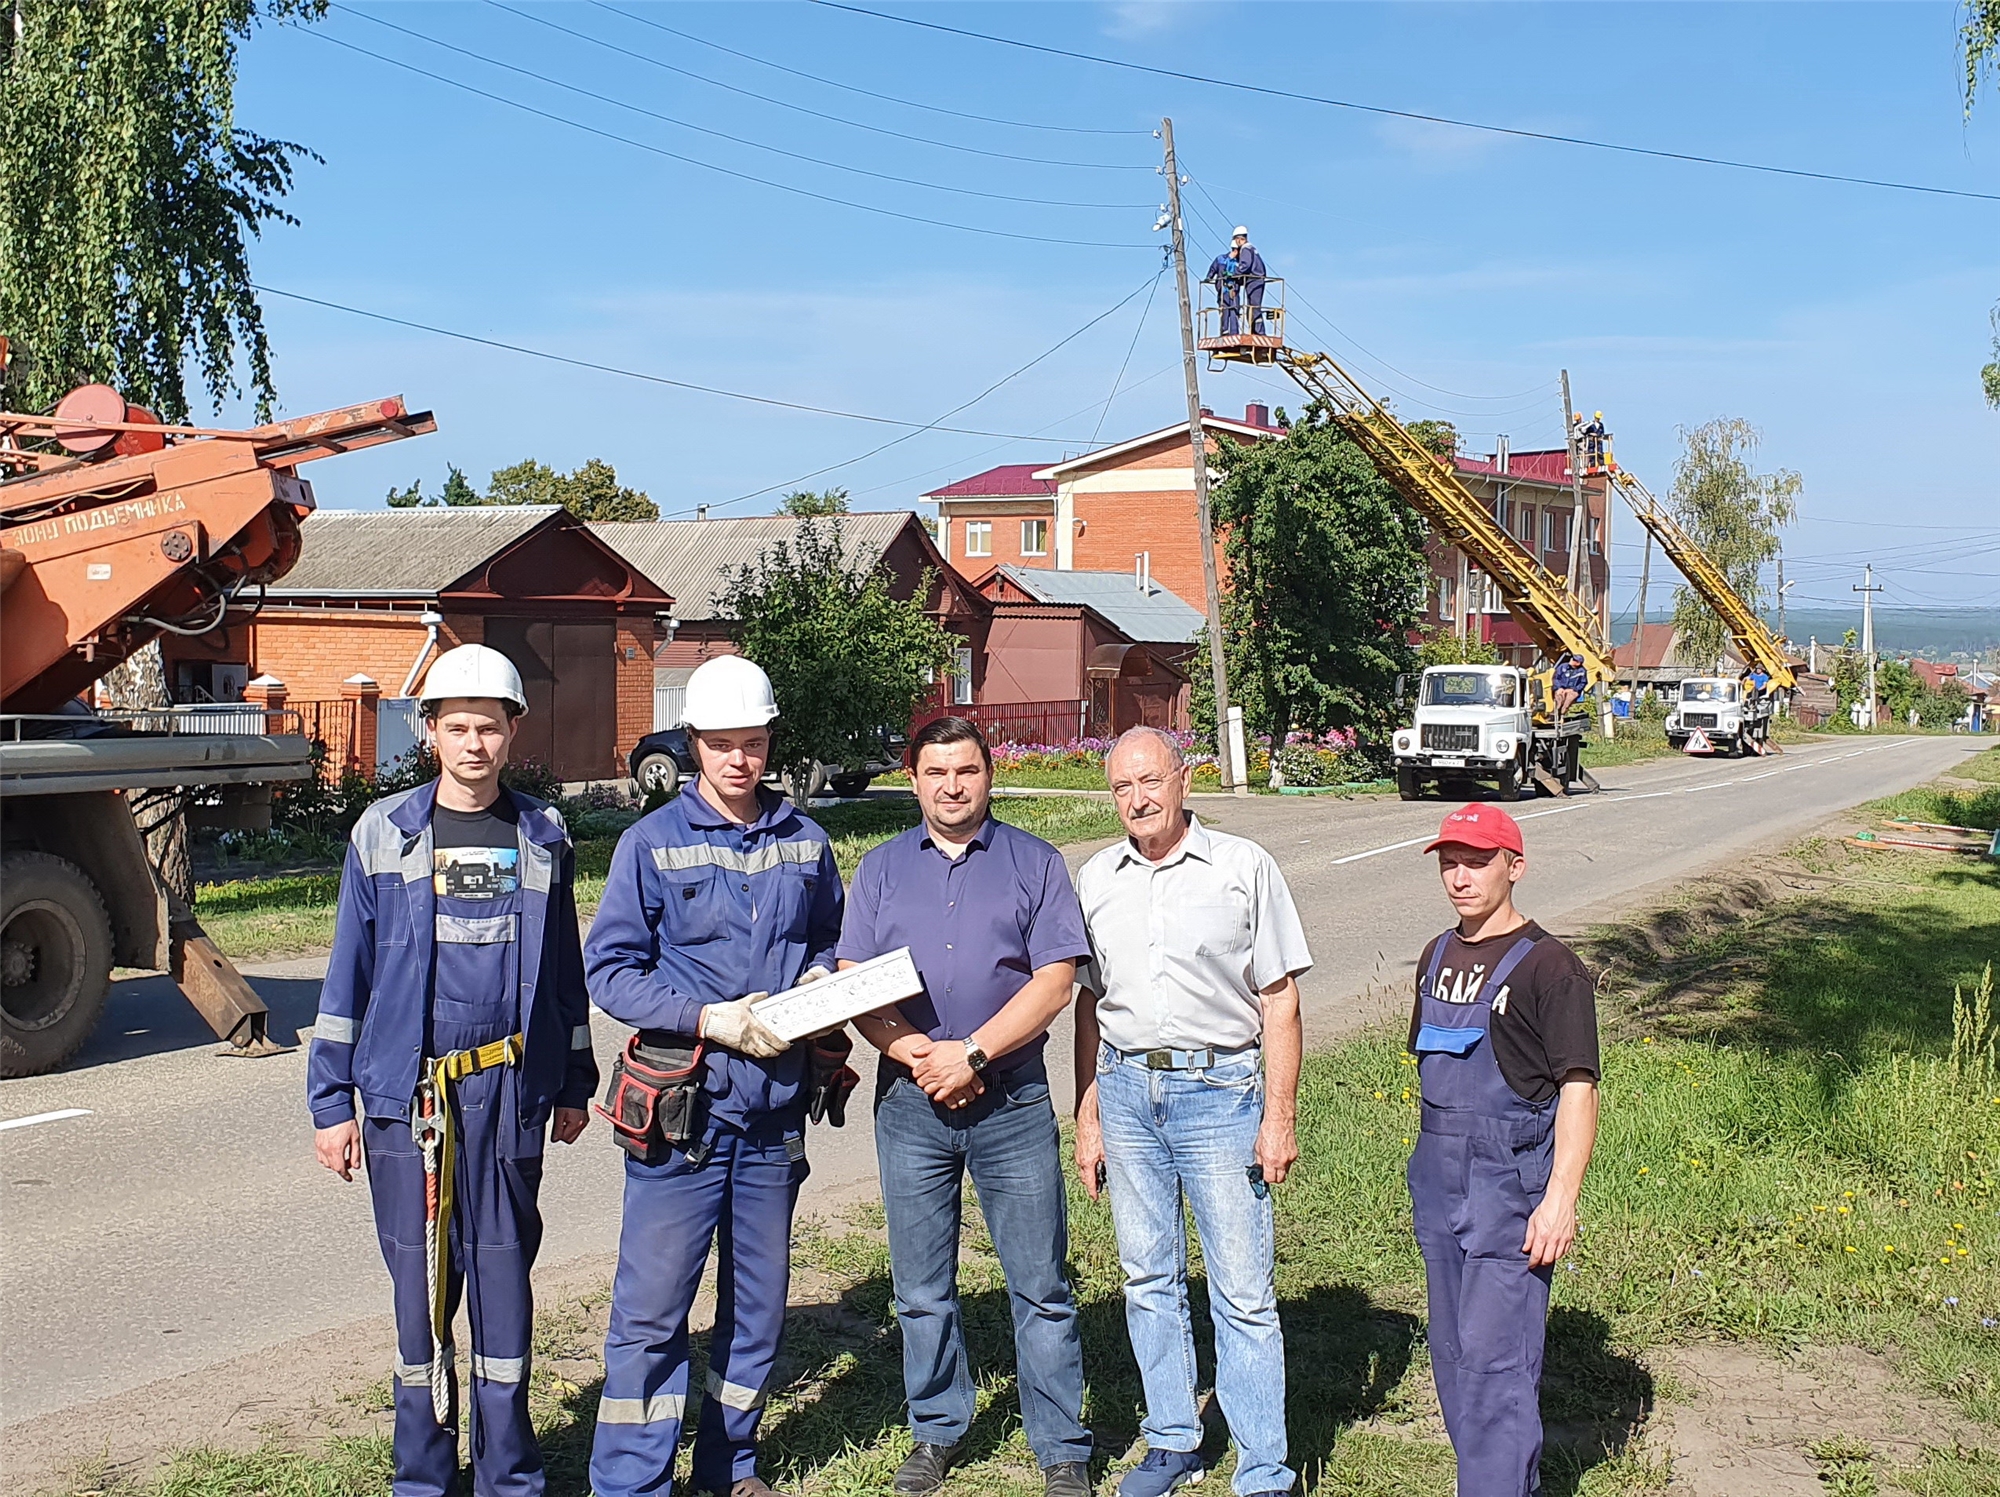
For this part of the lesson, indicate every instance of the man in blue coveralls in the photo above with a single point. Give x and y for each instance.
(454, 1005)
(715, 900)
(1571, 681)
(1505, 1034)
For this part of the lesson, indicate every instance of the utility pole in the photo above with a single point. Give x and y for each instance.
(1639, 629)
(1868, 589)
(1234, 775)
(1578, 527)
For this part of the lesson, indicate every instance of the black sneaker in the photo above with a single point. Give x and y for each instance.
(925, 1468)
(1066, 1479)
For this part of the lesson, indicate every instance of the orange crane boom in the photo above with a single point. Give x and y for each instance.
(115, 529)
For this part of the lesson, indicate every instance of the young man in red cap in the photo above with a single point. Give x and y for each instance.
(1505, 1034)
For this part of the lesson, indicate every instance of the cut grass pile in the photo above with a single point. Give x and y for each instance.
(1801, 1125)
(251, 918)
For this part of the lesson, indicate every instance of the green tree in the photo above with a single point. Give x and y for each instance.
(804, 503)
(127, 193)
(1980, 40)
(592, 492)
(458, 490)
(1326, 579)
(1733, 513)
(799, 612)
(1446, 647)
(408, 498)
(1990, 375)
(1440, 437)
(1899, 687)
(526, 482)
(1939, 709)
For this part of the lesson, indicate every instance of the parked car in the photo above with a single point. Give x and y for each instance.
(665, 761)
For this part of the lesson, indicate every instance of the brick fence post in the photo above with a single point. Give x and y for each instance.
(366, 696)
(268, 692)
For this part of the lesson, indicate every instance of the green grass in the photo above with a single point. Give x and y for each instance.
(252, 918)
(1984, 767)
(1800, 1129)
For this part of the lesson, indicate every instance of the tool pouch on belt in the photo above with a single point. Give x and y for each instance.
(830, 1078)
(654, 1100)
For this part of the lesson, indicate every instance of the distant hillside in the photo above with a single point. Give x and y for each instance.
(1935, 632)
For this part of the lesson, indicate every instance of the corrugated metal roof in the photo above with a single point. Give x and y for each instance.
(1155, 618)
(1549, 467)
(1008, 481)
(693, 560)
(402, 551)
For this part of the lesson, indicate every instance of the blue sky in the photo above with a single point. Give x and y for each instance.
(1847, 322)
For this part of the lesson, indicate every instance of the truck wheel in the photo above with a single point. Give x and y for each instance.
(1508, 785)
(55, 961)
(1408, 786)
(847, 786)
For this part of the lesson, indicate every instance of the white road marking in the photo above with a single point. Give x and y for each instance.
(45, 1117)
(1620, 800)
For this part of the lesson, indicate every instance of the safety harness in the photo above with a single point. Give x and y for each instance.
(435, 1131)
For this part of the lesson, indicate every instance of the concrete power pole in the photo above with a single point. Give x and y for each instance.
(1234, 776)
(1579, 528)
(1868, 589)
(1639, 629)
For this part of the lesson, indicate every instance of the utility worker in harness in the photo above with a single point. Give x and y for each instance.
(714, 900)
(454, 1005)
(1505, 1034)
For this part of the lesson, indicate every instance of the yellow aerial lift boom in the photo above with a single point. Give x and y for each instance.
(1754, 642)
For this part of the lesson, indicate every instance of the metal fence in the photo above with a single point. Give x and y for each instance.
(1019, 722)
(399, 728)
(669, 705)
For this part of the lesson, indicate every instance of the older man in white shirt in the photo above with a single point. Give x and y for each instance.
(1187, 1057)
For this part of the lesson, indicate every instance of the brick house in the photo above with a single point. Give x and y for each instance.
(377, 593)
(1094, 513)
(1134, 500)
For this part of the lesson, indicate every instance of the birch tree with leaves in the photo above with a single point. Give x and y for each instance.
(128, 196)
(1734, 513)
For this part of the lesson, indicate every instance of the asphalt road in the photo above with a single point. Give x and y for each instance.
(175, 1218)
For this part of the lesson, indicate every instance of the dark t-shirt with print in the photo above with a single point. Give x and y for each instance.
(1544, 1020)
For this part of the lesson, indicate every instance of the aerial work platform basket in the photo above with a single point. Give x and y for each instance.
(1241, 322)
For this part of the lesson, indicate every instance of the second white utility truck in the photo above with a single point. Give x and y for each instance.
(1730, 718)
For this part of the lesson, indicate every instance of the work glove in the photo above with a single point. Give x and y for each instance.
(733, 1026)
(830, 1079)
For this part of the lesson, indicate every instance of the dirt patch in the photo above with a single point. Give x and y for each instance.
(1747, 1422)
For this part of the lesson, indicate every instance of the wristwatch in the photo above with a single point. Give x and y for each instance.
(974, 1055)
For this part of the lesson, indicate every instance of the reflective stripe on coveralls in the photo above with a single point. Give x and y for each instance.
(1480, 1169)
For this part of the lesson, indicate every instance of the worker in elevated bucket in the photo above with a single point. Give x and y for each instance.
(1571, 680)
(1250, 271)
(1505, 1034)
(454, 1005)
(714, 900)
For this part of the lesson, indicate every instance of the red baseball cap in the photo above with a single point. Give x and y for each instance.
(1479, 826)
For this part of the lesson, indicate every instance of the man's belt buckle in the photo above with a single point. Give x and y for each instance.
(1160, 1060)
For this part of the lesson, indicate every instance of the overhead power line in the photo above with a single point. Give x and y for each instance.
(817, 114)
(867, 93)
(696, 161)
(1691, 157)
(936, 425)
(677, 384)
(668, 119)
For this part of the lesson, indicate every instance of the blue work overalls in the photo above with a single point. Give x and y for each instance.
(1480, 1169)
(414, 975)
(698, 909)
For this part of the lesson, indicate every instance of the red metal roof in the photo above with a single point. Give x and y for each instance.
(1538, 467)
(1008, 481)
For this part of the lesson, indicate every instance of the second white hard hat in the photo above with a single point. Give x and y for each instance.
(729, 692)
(474, 671)
(1241, 233)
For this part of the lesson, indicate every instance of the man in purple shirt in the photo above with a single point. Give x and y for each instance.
(994, 927)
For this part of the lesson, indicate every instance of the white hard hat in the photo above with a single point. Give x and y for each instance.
(729, 692)
(1241, 233)
(474, 671)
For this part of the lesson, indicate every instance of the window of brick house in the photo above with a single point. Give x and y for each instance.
(961, 677)
(1555, 529)
(1595, 527)
(1034, 537)
(1447, 597)
(978, 537)
(1524, 523)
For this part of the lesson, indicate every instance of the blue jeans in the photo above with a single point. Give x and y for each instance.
(1008, 1140)
(1178, 1139)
